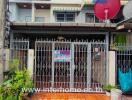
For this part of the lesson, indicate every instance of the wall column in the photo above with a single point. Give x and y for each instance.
(30, 64)
(33, 12)
(112, 69)
(2, 32)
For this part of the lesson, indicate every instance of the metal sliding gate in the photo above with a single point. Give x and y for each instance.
(70, 65)
(123, 60)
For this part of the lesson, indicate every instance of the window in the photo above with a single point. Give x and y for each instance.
(39, 19)
(27, 18)
(60, 17)
(91, 18)
(70, 17)
(65, 17)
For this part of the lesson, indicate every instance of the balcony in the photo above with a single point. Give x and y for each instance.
(21, 12)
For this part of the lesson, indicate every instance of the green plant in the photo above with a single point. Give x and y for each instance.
(109, 87)
(11, 89)
(120, 40)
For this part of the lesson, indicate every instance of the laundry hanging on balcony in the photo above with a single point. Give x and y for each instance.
(125, 79)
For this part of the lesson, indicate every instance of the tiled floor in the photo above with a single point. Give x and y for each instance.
(127, 97)
(69, 96)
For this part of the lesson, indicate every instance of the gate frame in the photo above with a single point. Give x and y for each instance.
(11, 57)
(89, 65)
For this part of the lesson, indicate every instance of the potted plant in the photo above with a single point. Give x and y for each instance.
(108, 88)
(17, 80)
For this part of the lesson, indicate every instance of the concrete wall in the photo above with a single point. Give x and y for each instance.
(30, 61)
(24, 15)
(123, 2)
(51, 1)
(49, 15)
(13, 11)
(67, 1)
(43, 13)
(19, 14)
(6, 59)
(112, 68)
(2, 31)
(81, 17)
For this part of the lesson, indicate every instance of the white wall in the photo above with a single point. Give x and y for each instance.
(112, 71)
(23, 13)
(67, 1)
(81, 16)
(18, 14)
(30, 61)
(13, 11)
(43, 13)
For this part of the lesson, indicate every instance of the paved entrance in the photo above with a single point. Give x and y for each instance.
(69, 96)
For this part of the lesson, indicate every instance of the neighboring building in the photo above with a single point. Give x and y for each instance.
(62, 42)
(1, 27)
(4, 33)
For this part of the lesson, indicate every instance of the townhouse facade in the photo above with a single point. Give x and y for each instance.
(63, 44)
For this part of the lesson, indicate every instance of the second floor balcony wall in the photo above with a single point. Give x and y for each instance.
(50, 1)
(64, 11)
(24, 15)
(67, 1)
(20, 12)
(13, 12)
(42, 15)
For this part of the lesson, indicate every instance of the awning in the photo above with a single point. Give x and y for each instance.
(126, 24)
(89, 1)
(67, 9)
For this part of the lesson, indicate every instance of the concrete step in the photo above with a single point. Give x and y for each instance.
(69, 96)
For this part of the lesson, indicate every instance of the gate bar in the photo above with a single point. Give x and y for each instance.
(72, 67)
(53, 48)
(89, 65)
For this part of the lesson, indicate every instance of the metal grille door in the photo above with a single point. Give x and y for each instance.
(62, 65)
(70, 65)
(99, 64)
(43, 65)
(19, 51)
(82, 65)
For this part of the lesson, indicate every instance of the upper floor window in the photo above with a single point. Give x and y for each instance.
(65, 16)
(91, 18)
